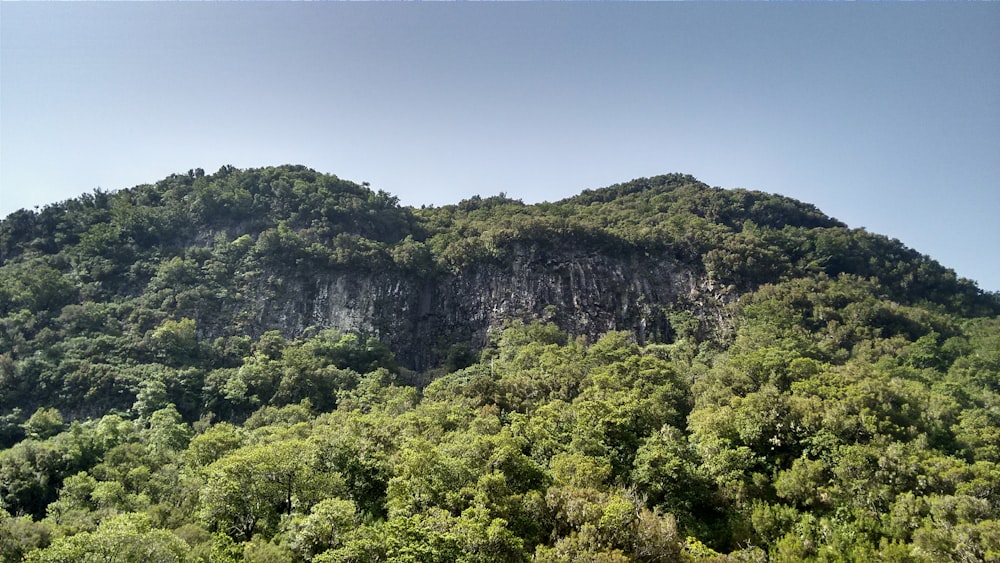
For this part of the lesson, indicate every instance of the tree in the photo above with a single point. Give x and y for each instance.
(126, 538)
(175, 343)
(248, 490)
(20, 535)
(325, 527)
(45, 423)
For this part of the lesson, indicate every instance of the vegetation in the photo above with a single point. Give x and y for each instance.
(844, 408)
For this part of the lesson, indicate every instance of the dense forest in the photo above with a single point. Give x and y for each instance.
(260, 365)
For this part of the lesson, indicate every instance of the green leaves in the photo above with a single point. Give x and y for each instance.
(125, 538)
(248, 490)
(786, 385)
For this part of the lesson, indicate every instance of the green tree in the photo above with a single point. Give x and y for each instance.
(44, 423)
(248, 490)
(20, 535)
(325, 527)
(126, 538)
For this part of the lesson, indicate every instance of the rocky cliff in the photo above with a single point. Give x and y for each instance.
(244, 252)
(419, 317)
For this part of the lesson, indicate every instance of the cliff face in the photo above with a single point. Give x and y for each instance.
(286, 248)
(583, 292)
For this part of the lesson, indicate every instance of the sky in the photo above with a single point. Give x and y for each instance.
(885, 116)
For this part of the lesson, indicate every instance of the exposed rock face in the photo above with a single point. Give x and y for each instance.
(583, 292)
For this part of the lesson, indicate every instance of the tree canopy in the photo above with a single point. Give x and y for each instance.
(838, 400)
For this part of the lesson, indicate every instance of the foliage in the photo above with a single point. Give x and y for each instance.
(843, 407)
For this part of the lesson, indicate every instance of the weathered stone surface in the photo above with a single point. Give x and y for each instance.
(583, 292)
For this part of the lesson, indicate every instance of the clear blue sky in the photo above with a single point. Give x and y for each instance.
(886, 116)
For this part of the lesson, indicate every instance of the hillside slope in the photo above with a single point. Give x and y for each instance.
(286, 248)
(277, 364)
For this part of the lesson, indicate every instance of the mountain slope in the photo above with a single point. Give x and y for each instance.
(277, 364)
(245, 252)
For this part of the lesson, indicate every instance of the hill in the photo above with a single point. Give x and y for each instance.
(283, 365)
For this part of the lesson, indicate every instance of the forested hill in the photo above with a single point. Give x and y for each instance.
(277, 364)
